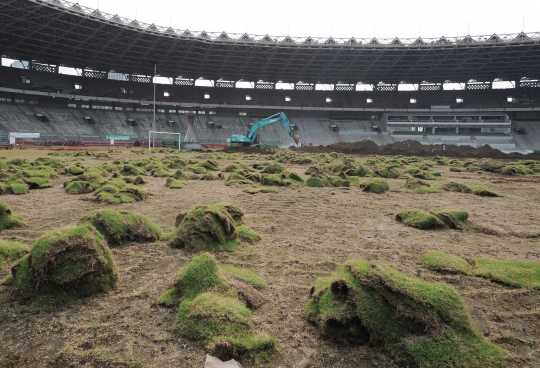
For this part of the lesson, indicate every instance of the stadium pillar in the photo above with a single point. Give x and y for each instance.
(191, 136)
(154, 80)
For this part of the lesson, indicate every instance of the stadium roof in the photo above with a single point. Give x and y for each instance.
(62, 33)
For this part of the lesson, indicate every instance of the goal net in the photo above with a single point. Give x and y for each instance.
(164, 139)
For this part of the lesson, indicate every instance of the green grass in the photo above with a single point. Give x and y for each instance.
(211, 315)
(375, 186)
(199, 276)
(441, 261)
(7, 281)
(429, 190)
(315, 182)
(427, 220)
(18, 189)
(456, 187)
(174, 183)
(513, 273)
(77, 187)
(417, 323)
(209, 227)
(414, 183)
(9, 220)
(249, 277)
(117, 226)
(247, 234)
(11, 251)
(388, 172)
(210, 308)
(485, 192)
(454, 348)
(419, 219)
(66, 263)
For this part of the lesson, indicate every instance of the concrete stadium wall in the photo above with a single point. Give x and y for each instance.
(314, 128)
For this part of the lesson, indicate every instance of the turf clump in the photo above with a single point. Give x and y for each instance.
(77, 187)
(485, 192)
(419, 219)
(10, 252)
(73, 261)
(315, 182)
(74, 170)
(424, 174)
(255, 190)
(430, 220)
(512, 273)
(375, 186)
(214, 305)
(389, 172)
(9, 220)
(444, 262)
(118, 226)
(174, 183)
(456, 187)
(418, 323)
(115, 193)
(18, 188)
(414, 183)
(517, 170)
(212, 226)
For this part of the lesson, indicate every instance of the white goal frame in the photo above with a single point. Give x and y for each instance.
(152, 139)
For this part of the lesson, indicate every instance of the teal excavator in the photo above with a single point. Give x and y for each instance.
(253, 136)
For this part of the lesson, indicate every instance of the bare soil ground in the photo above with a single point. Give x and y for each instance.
(306, 233)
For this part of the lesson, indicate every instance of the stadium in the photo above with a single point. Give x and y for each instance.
(448, 125)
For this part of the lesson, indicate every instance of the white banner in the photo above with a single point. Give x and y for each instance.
(24, 135)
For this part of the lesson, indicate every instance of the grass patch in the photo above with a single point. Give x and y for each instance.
(9, 220)
(419, 219)
(314, 182)
(418, 323)
(440, 261)
(69, 262)
(247, 234)
(174, 183)
(513, 273)
(10, 252)
(117, 226)
(428, 220)
(375, 186)
(249, 277)
(214, 306)
(209, 226)
(485, 192)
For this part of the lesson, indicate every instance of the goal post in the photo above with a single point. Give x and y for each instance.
(173, 138)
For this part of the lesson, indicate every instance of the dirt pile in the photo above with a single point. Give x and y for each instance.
(415, 148)
(249, 149)
(75, 261)
(418, 323)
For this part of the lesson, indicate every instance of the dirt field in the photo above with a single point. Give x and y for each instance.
(306, 233)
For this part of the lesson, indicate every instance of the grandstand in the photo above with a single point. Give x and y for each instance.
(113, 93)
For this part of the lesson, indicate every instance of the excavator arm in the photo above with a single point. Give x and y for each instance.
(252, 135)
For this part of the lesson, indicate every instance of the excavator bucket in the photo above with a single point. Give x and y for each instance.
(295, 137)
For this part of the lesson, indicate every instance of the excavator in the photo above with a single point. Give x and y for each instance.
(253, 137)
